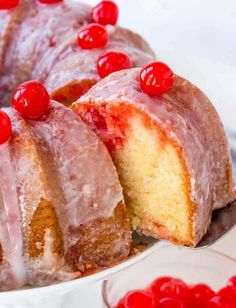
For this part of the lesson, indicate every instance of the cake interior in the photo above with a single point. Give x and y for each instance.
(150, 167)
(45, 221)
(72, 91)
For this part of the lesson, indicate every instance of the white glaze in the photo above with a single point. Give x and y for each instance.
(75, 64)
(30, 185)
(10, 221)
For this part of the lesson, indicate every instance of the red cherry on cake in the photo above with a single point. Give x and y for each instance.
(112, 61)
(105, 13)
(137, 299)
(31, 99)
(8, 4)
(93, 36)
(5, 127)
(50, 1)
(199, 295)
(156, 78)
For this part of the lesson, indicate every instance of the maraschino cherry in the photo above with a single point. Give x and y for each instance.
(156, 78)
(105, 13)
(93, 36)
(157, 284)
(174, 288)
(169, 292)
(171, 303)
(5, 127)
(8, 4)
(199, 295)
(220, 302)
(137, 299)
(232, 282)
(112, 61)
(228, 293)
(31, 99)
(50, 1)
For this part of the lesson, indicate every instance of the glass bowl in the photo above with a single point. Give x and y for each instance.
(191, 265)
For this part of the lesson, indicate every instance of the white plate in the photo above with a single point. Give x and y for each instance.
(59, 295)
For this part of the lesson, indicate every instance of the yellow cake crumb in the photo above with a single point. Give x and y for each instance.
(154, 181)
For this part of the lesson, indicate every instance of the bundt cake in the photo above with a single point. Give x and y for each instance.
(39, 41)
(169, 148)
(61, 204)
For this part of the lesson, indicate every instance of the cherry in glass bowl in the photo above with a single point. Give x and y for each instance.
(192, 266)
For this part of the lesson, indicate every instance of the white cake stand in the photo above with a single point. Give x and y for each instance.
(60, 295)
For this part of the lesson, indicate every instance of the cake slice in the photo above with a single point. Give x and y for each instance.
(170, 151)
(96, 228)
(43, 244)
(61, 204)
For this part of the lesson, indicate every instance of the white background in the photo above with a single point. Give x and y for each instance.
(197, 38)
